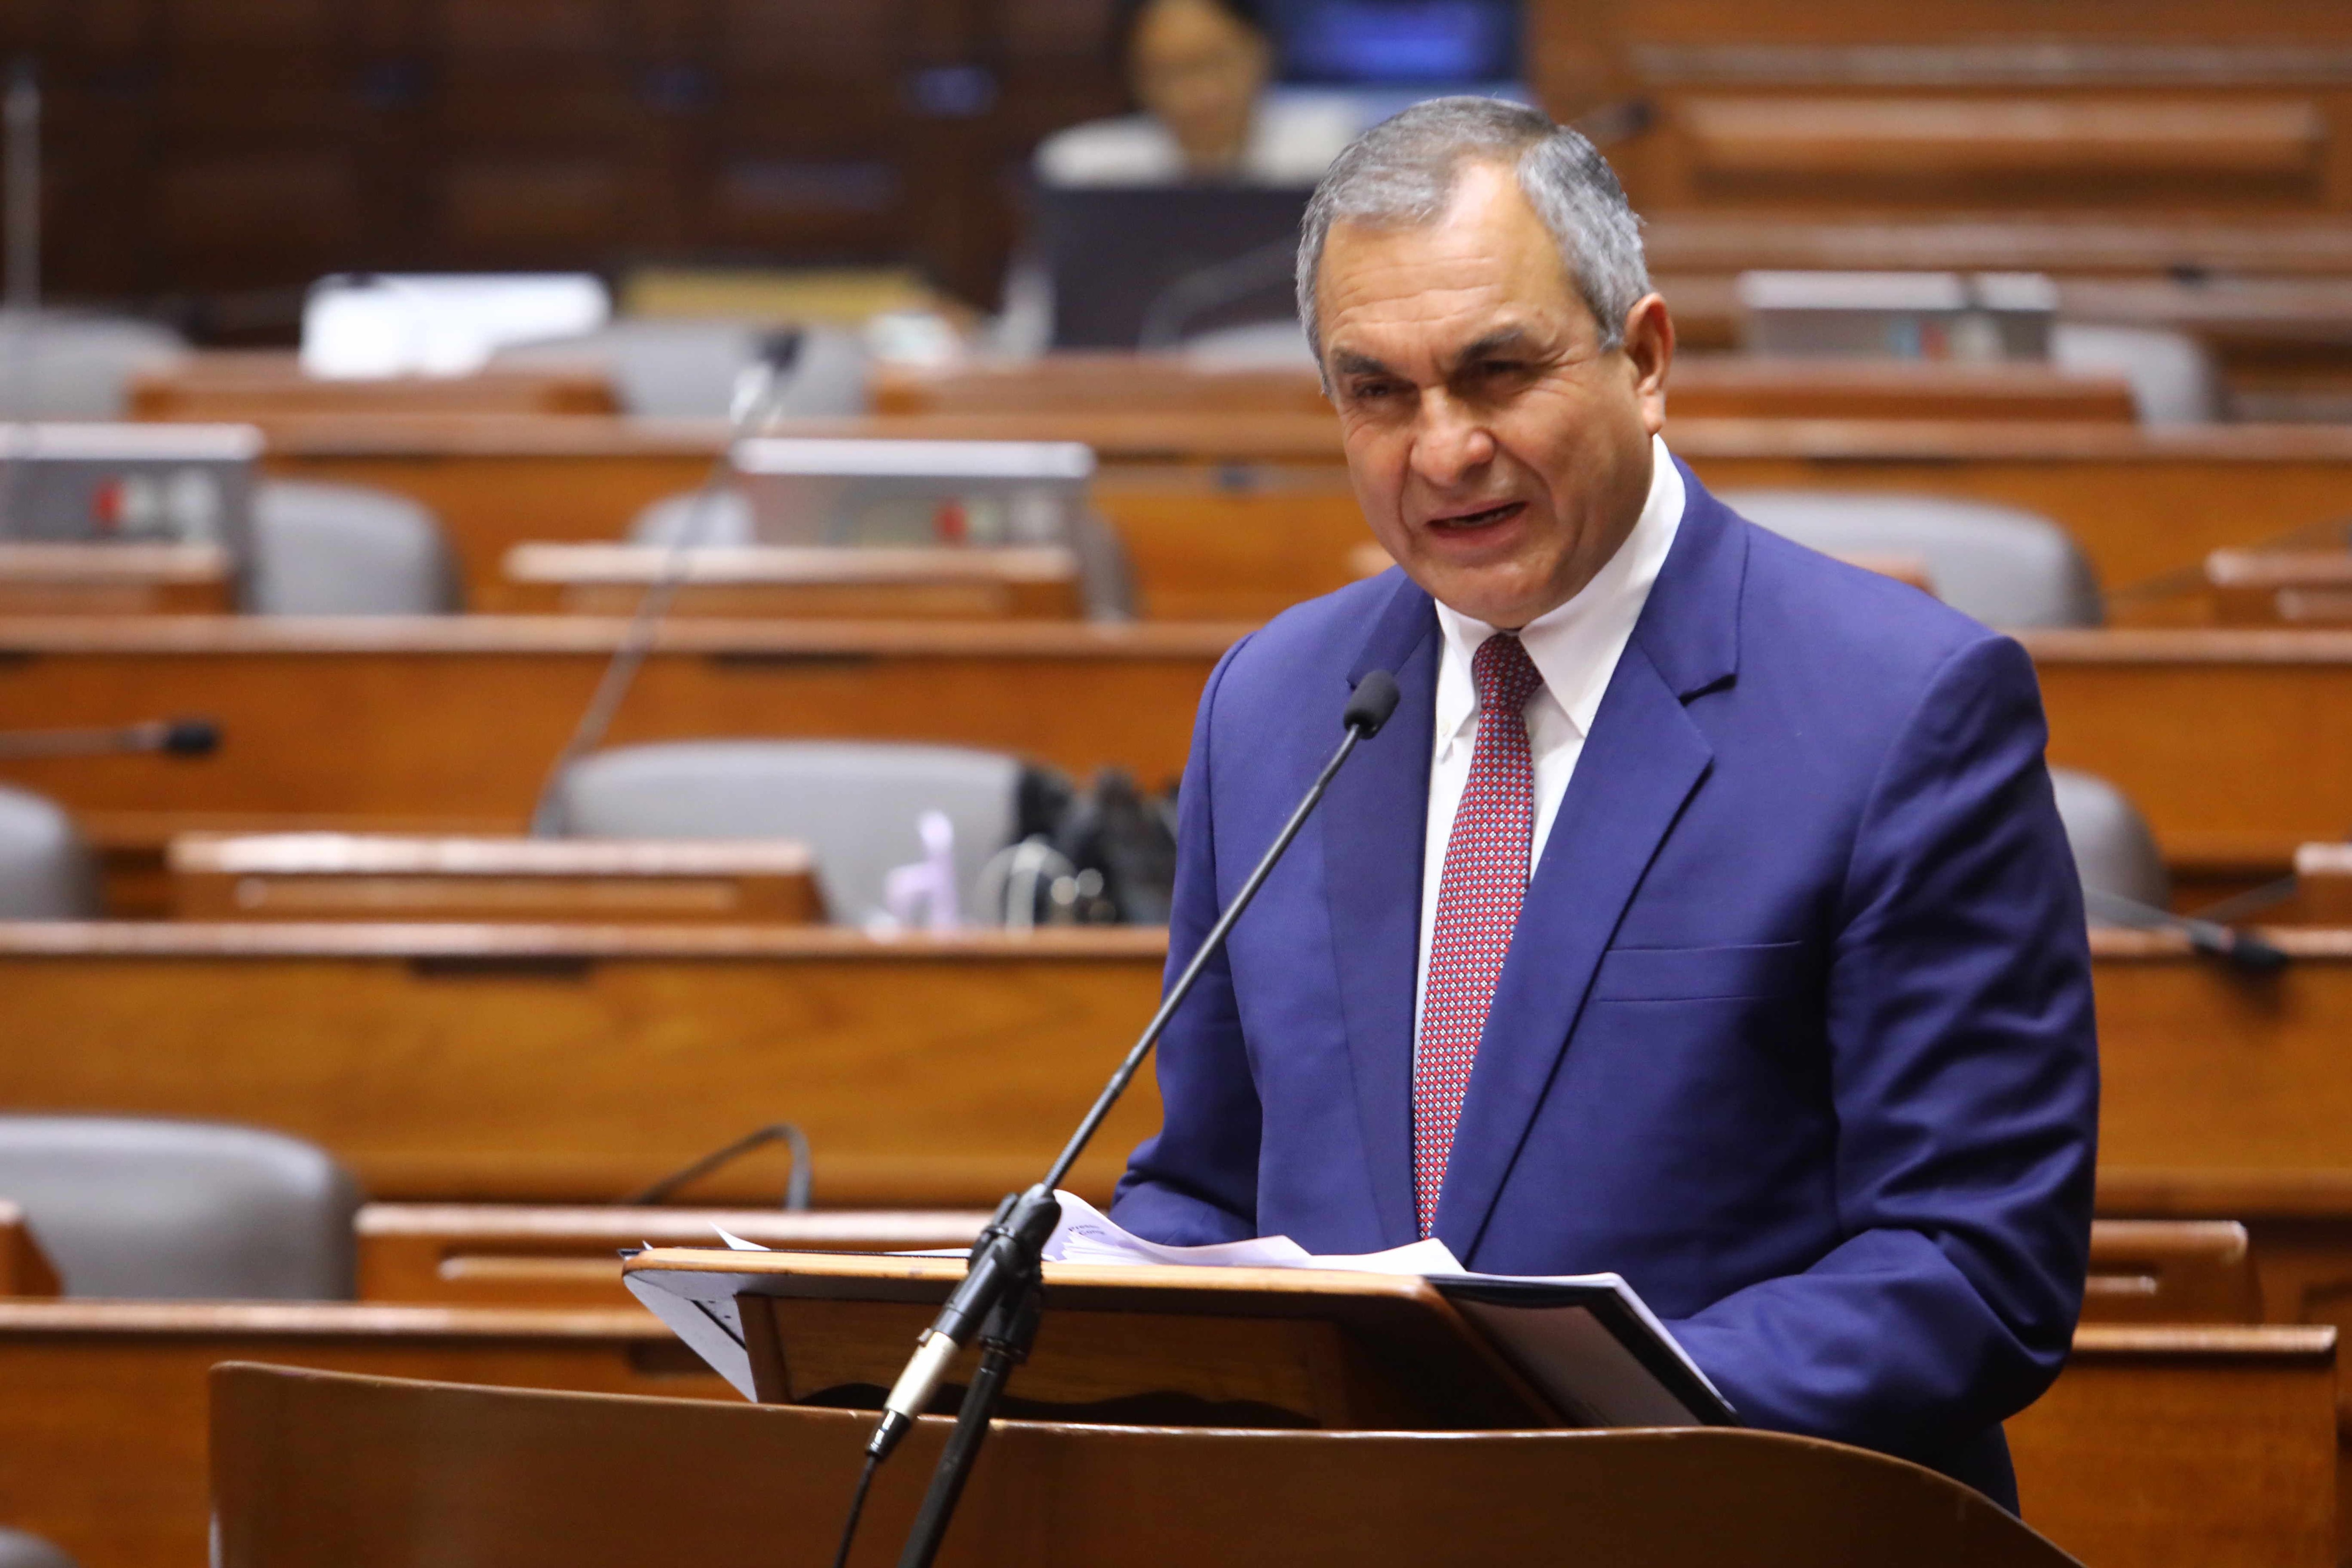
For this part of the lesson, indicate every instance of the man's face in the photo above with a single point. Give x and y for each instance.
(1500, 453)
(1198, 71)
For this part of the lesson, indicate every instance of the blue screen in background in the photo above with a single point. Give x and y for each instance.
(1369, 42)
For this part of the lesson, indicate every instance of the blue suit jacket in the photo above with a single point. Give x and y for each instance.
(1794, 1032)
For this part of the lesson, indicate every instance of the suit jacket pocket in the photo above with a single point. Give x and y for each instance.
(1697, 973)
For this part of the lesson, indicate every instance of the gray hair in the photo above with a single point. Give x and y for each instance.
(1402, 172)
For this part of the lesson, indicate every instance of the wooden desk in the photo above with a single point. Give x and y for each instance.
(1235, 515)
(114, 580)
(775, 582)
(318, 1472)
(240, 385)
(2232, 741)
(337, 876)
(2281, 588)
(449, 724)
(575, 1064)
(24, 1268)
(103, 1404)
(508, 1255)
(2170, 1271)
(1704, 387)
(2186, 1446)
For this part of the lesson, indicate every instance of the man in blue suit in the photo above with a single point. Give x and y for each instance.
(1703, 914)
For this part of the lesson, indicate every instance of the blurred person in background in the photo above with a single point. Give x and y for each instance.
(1199, 68)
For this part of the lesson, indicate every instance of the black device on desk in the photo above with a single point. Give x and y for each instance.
(1149, 266)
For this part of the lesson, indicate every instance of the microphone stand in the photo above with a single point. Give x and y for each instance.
(1001, 1298)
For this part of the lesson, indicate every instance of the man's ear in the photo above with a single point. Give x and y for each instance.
(1650, 350)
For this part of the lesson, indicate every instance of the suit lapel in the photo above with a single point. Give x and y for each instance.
(1640, 765)
(1373, 827)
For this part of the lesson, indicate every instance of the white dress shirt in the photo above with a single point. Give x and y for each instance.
(1575, 649)
(1293, 137)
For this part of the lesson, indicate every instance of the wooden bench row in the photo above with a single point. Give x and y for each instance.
(577, 1063)
(1237, 515)
(2232, 742)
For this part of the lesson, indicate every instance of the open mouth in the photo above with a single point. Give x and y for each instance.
(1487, 518)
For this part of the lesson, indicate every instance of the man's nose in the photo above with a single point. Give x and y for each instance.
(1452, 442)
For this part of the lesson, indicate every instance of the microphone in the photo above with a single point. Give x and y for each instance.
(2242, 950)
(170, 737)
(1007, 1257)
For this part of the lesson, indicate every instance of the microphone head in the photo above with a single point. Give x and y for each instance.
(1369, 709)
(190, 738)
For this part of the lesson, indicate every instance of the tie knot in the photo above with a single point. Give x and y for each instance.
(1504, 674)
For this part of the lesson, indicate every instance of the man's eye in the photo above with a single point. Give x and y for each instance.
(1496, 369)
(1368, 391)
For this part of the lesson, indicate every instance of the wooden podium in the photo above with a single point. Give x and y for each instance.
(323, 1470)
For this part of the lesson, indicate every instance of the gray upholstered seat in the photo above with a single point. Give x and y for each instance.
(64, 364)
(687, 369)
(2008, 568)
(1106, 575)
(133, 1206)
(18, 1550)
(45, 870)
(2113, 850)
(2171, 371)
(346, 550)
(855, 803)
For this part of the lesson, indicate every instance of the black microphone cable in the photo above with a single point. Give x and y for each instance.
(778, 351)
(2242, 950)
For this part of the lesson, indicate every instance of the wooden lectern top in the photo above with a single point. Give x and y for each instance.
(1166, 1345)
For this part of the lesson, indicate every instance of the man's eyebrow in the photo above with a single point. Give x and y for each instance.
(1348, 363)
(1503, 339)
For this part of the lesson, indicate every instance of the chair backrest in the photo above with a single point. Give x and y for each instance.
(855, 803)
(2173, 380)
(2008, 568)
(2114, 852)
(723, 518)
(45, 870)
(346, 550)
(687, 369)
(140, 1208)
(60, 365)
(18, 1550)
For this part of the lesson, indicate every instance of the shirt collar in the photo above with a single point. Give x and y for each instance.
(1575, 647)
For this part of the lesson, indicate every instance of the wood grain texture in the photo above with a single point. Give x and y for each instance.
(2141, 501)
(2180, 1446)
(103, 1405)
(507, 1255)
(248, 384)
(313, 1472)
(578, 1063)
(2229, 742)
(388, 876)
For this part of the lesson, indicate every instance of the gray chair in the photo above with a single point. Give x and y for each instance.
(18, 1550)
(139, 1208)
(2172, 377)
(2113, 850)
(47, 872)
(687, 369)
(2008, 568)
(855, 803)
(1106, 572)
(346, 550)
(65, 365)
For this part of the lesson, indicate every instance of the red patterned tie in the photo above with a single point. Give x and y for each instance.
(1478, 897)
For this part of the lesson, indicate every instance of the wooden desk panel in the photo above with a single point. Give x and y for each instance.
(576, 1064)
(104, 1407)
(450, 724)
(509, 1255)
(2233, 743)
(2186, 1446)
(2141, 501)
